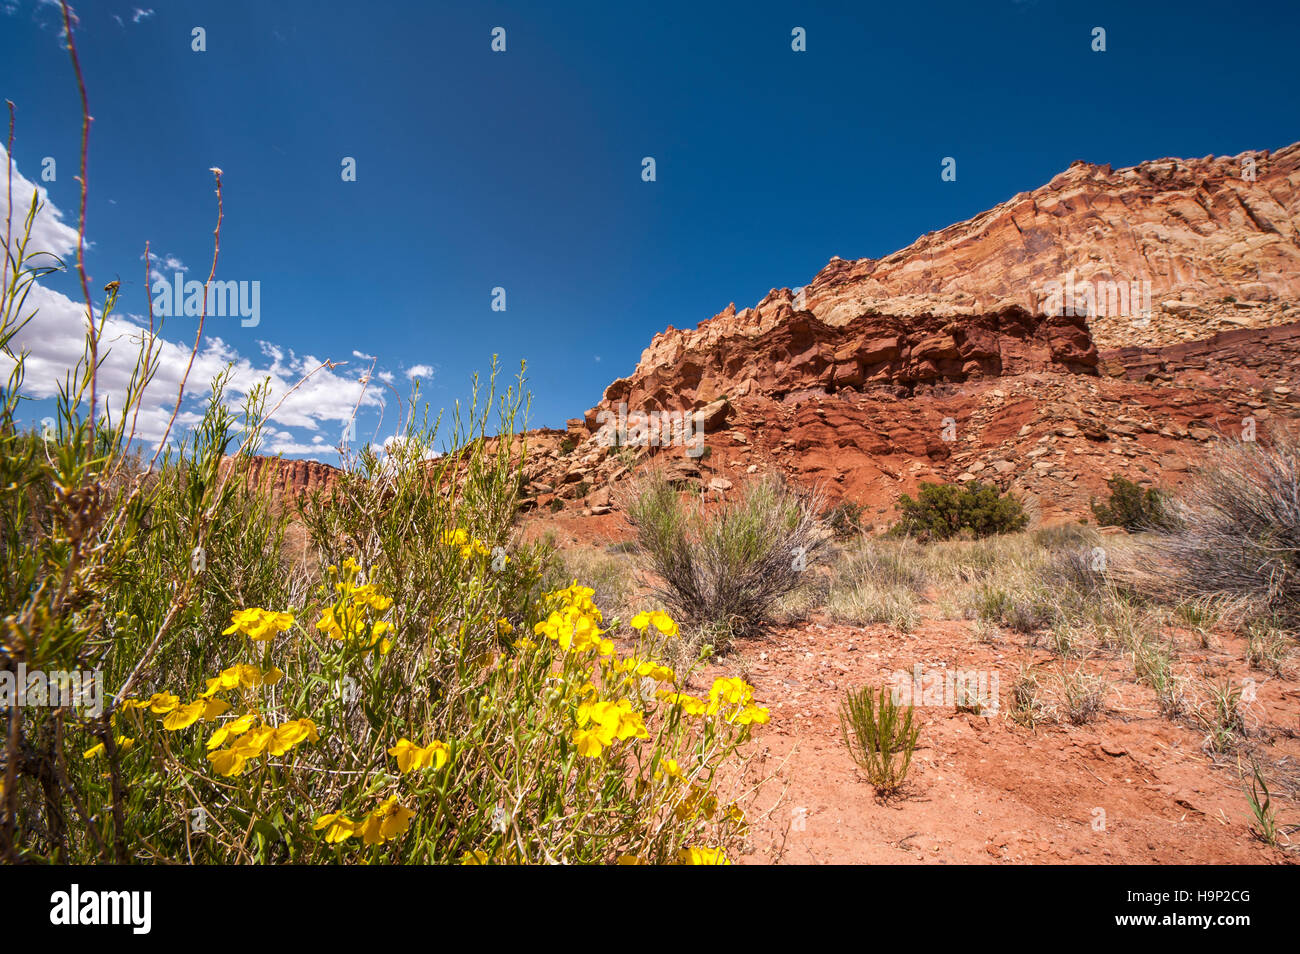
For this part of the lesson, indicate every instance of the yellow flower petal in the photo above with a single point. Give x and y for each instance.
(184, 716)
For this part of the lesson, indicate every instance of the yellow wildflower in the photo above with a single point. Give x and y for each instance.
(286, 736)
(702, 856)
(212, 709)
(668, 767)
(160, 703)
(338, 827)
(752, 715)
(455, 538)
(735, 691)
(227, 762)
(234, 728)
(688, 703)
(661, 621)
(122, 742)
(410, 757)
(258, 623)
(588, 743)
(253, 742)
(184, 716)
(387, 821)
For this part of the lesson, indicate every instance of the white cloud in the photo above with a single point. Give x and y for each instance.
(49, 232)
(419, 371)
(284, 443)
(308, 396)
(157, 263)
(137, 15)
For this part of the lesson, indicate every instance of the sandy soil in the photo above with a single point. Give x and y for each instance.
(1131, 787)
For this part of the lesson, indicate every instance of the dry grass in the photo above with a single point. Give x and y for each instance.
(726, 568)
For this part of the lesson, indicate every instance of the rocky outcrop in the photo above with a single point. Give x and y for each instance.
(956, 359)
(1220, 252)
(800, 355)
(959, 359)
(1256, 357)
(289, 478)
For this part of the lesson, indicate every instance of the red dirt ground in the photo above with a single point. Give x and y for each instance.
(1131, 787)
(983, 789)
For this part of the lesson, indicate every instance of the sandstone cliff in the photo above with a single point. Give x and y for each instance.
(1220, 252)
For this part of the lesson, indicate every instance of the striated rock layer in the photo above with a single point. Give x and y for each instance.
(289, 478)
(1005, 327)
(991, 350)
(801, 355)
(1219, 251)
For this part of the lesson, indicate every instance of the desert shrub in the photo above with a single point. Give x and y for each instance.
(991, 604)
(799, 604)
(881, 735)
(1221, 716)
(1067, 537)
(1238, 530)
(728, 567)
(1026, 708)
(844, 519)
(568, 445)
(1131, 507)
(889, 562)
(1267, 646)
(955, 563)
(394, 713)
(409, 691)
(1075, 571)
(868, 602)
(1153, 666)
(943, 511)
(1024, 610)
(1083, 695)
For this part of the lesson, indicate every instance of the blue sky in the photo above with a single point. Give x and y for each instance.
(522, 169)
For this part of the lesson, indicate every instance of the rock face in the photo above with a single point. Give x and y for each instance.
(1011, 348)
(1219, 250)
(801, 355)
(290, 478)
